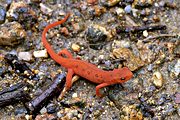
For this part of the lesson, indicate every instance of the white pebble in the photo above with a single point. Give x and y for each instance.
(119, 11)
(45, 9)
(145, 33)
(26, 56)
(43, 110)
(28, 117)
(157, 79)
(74, 95)
(40, 53)
(177, 68)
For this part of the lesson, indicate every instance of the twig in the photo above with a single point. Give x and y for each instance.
(14, 94)
(55, 88)
(159, 36)
(139, 28)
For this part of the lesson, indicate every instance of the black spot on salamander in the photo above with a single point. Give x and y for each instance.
(111, 75)
(96, 75)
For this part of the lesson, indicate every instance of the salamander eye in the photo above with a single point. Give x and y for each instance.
(122, 78)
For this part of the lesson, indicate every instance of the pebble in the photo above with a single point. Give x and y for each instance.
(99, 10)
(5, 3)
(119, 11)
(122, 44)
(145, 33)
(75, 47)
(157, 79)
(65, 31)
(28, 117)
(156, 18)
(20, 111)
(176, 69)
(177, 98)
(40, 54)
(2, 14)
(74, 95)
(45, 117)
(59, 114)
(46, 10)
(26, 56)
(131, 61)
(128, 9)
(11, 33)
(43, 110)
(162, 3)
(51, 108)
(110, 3)
(91, 1)
(69, 115)
(96, 35)
(20, 11)
(142, 3)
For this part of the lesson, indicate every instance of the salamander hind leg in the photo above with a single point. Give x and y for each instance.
(66, 53)
(99, 87)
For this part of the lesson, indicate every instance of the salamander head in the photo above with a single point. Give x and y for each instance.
(122, 75)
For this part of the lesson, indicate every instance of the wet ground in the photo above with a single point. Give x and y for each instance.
(107, 33)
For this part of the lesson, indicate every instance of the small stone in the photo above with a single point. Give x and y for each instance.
(75, 47)
(59, 114)
(40, 53)
(5, 3)
(11, 33)
(131, 61)
(162, 3)
(156, 18)
(110, 3)
(36, 71)
(145, 33)
(96, 35)
(128, 9)
(43, 110)
(74, 95)
(51, 108)
(65, 31)
(22, 13)
(176, 69)
(91, 1)
(2, 14)
(119, 11)
(26, 56)
(177, 98)
(142, 3)
(28, 117)
(99, 10)
(121, 44)
(45, 9)
(19, 111)
(157, 79)
(69, 115)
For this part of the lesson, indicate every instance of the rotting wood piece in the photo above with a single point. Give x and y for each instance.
(14, 94)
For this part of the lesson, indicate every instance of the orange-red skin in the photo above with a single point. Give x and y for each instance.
(83, 68)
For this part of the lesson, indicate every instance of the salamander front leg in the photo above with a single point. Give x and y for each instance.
(99, 87)
(69, 79)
